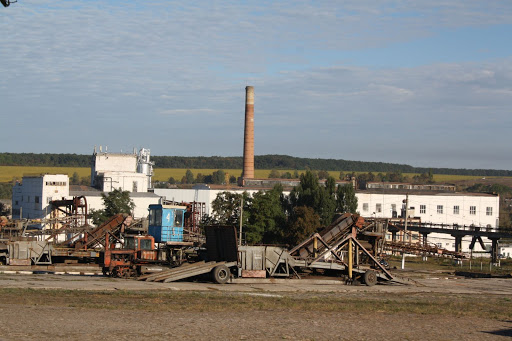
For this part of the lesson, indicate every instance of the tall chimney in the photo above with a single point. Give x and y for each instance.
(248, 172)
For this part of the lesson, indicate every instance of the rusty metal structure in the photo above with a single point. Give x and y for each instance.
(345, 249)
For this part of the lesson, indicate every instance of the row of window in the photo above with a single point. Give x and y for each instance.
(36, 199)
(423, 209)
(56, 183)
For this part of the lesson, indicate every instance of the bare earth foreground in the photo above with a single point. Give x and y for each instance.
(439, 307)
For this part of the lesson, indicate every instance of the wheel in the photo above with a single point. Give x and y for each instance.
(370, 278)
(221, 274)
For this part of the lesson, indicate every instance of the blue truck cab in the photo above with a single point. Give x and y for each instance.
(166, 223)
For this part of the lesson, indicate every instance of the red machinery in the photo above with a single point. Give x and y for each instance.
(126, 262)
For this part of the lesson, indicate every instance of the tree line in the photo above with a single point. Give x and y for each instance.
(261, 162)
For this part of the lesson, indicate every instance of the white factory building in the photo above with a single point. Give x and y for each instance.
(31, 198)
(446, 208)
(478, 209)
(128, 172)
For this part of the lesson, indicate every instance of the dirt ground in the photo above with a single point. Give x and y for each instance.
(438, 306)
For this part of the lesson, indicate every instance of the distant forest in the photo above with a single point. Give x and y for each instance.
(261, 162)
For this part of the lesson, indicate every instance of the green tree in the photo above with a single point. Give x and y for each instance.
(346, 200)
(85, 180)
(286, 175)
(188, 178)
(274, 174)
(199, 178)
(75, 179)
(323, 174)
(219, 177)
(267, 217)
(226, 208)
(305, 222)
(6, 190)
(114, 202)
(320, 198)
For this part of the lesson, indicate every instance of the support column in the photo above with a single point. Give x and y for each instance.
(425, 243)
(494, 251)
(350, 259)
(458, 243)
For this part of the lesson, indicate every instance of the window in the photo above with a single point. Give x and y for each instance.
(36, 199)
(488, 211)
(16, 203)
(49, 200)
(155, 217)
(365, 207)
(439, 244)
(472, 210)
(145, 244)
(178, 218)
(134, 187)
(56, 183)
(129, 243)
(28, 198)
(423, 209)
(456, 209)
(439, 209)
(378, 208)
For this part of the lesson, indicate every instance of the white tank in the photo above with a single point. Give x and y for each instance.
(144, 165)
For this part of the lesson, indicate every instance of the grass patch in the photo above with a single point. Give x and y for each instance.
(477, 264)
(495, 307)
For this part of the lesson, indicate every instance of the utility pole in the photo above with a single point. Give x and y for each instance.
(241, 214)
(405, 228)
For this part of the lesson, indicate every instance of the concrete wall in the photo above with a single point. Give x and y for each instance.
(124, 181)
(142, 202)
(105, 162)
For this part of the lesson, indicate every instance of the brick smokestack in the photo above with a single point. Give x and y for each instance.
(248, 172)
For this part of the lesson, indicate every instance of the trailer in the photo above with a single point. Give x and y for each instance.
(334, 251)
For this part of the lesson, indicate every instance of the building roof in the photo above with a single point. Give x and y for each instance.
(420, 192)
(87, 191)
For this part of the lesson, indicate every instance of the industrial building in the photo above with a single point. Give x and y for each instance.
(127, 172)
(32, 198)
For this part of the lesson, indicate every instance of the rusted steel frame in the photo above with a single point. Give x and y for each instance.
(288, 266)
(331, 249)
(372, 258)
(316, 235)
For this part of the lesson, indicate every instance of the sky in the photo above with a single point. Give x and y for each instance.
(424, 83)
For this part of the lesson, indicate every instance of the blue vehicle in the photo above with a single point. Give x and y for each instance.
(166, 223)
